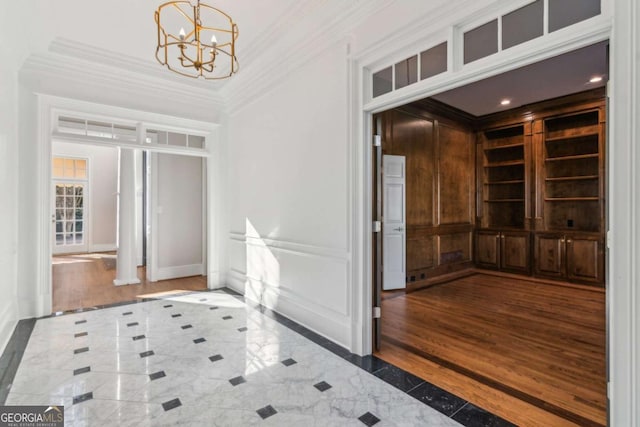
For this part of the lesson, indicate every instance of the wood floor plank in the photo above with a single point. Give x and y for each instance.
(86, 280)
(542, 342)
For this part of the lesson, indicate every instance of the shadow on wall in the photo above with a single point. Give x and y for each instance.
(263, 269)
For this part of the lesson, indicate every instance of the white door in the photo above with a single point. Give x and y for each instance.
(69, 217)
(393, 223)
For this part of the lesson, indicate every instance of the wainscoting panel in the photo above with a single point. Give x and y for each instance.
(310, 284)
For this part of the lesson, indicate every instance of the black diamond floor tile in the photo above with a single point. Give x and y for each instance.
(266, 412)
(80, 350)
(83, 397)
(216, 357)
(202, 299)
(171, 404)
(176, 315)
(199, 340)
(227, 317)
(82, 370)
(147, 353)
(369, 419)
(128, 313)
(288, 362)
(168, 305)
(186, 327)
(139, 337)
(237, 380)
(157, 375)
(322, 386)
(81, 334)
(213, 308)
(132, 324)
(80, 322)
(243, 329)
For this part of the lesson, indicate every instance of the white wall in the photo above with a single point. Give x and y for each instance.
(103, 188)
(179, 230)
(11, 52)
(287, 188)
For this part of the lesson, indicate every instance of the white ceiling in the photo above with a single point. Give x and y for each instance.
(127, 27)
(555, 77)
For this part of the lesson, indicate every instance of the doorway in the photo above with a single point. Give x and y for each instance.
(505, 226)
(168, 216)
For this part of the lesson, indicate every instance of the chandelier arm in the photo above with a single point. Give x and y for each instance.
(184, 56)
(203, 64)
(182, 12)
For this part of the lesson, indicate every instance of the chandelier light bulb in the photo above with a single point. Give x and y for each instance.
(214, 40)
(182, 34)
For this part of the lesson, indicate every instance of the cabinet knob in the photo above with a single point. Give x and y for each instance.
(569, 241)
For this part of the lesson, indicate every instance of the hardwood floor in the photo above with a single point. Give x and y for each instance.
(86, 280)
(533, 353)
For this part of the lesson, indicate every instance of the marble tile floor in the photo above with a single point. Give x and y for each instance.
(209, 359)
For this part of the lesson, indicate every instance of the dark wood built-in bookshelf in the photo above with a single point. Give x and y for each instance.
(541, 191)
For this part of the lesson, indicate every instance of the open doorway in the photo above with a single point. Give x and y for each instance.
(503, 301)
(168, 219)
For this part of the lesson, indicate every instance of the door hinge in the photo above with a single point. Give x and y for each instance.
(377, 226)
(376, 312)
(608, 239)
(377, 140)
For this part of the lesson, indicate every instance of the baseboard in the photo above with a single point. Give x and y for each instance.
(166, 273)
(314, 317)
(103, 247)
(133, 281)
(443, 278)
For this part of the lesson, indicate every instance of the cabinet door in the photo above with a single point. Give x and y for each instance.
(515, 252)
(488, 249)
(549, 255)
(585, 259)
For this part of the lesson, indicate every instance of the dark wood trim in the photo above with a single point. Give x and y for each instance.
(566, 104)
(437, 110)
(418, 231)
(538, 280)
(442, 274)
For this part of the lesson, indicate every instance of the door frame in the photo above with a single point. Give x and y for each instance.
(50, 106)
(623, 181)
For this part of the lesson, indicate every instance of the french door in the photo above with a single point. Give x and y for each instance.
(69, 217)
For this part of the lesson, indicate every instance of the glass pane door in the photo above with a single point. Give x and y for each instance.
(69, 214)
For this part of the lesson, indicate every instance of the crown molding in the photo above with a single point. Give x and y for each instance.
(321, 30)
(70, 76)
(78, 50)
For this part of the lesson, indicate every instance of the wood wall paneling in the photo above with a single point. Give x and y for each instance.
(456, 175)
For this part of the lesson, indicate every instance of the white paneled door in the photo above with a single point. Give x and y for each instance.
(69, 217)
(393, 222)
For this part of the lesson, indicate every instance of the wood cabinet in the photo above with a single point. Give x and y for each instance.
(503, 250)
(543, 172)
(574, 257)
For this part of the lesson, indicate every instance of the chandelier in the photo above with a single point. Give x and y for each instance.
(204, 45)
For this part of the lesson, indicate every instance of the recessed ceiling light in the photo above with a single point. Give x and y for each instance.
(505, 102)
(595, 79)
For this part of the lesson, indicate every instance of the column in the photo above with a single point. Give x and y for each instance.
(127, 271)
